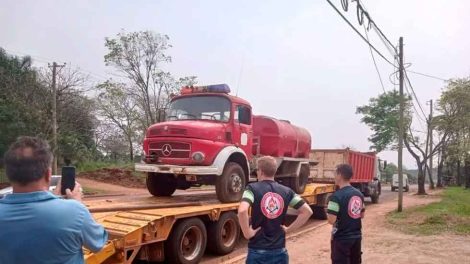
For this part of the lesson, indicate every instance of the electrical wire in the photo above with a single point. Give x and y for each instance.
(363, 38)
(375, 64)
(413, 92)
(429, 76)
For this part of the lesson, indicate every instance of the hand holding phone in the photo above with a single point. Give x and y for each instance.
(68, 179)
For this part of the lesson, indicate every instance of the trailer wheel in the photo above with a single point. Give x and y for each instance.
(230, 185)
(223, 234)
(187, 242)
(161, 185)
(374, 198)
(298, 184)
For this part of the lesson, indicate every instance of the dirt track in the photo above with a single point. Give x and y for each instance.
(381, 244)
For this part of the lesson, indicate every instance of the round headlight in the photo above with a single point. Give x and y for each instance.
(198, 156)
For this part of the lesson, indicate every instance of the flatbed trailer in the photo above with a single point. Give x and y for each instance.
(176, 229)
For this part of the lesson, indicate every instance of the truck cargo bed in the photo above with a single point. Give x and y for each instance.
(363, 164)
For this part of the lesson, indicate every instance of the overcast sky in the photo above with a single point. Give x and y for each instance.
(295, 60)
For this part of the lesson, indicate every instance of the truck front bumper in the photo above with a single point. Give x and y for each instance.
(175, 169)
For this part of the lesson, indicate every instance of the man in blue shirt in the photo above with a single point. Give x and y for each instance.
(35, 225)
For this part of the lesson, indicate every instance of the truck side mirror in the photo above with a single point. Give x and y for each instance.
(385, 164)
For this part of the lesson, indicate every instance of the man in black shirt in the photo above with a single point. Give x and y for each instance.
(269, 201)
(345, 211)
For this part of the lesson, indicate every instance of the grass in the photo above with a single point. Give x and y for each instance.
(92, 191)
(450, 215)
(96, 165)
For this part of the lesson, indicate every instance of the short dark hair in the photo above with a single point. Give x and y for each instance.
(27, 160)
(267, 165)
(345, 170)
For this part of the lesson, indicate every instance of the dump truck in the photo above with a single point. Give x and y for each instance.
(366, 168)
(177, 229)
(211, 138)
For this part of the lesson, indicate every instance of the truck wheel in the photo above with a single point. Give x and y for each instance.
(223, 234)
(319, 212)
(392, 189)
(407, 188)
(298, 184)
(230, 185)
(374, 198)
(187, 242)
(161, 184)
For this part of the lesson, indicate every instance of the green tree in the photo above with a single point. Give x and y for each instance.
(25, 106)
(454, 105)
(139, 56)
(382, 115)
(120, 110)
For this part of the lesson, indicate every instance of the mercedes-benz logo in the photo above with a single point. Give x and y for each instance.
(166, 150)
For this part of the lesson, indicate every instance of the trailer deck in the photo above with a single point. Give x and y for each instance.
(145, 222)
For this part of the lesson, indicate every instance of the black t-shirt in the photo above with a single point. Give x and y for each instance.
(347, 204)
(269, 201)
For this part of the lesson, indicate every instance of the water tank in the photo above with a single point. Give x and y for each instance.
(279, 138)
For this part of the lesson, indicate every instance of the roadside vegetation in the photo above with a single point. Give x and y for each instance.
(451, 215)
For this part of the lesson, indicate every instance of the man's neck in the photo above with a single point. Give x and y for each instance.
(32, 187)
(344, 184)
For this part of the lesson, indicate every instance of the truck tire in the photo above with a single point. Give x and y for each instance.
(187, 242)
(298, 184)
(161, 184)
(230, 185)
(392, 189)
(223, 234)
(319, 212)
(374, 198)
(407, 188)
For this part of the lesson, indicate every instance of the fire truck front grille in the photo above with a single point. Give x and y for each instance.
(177, 150)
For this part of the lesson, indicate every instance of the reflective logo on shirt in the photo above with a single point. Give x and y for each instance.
(272, 205)
(355, 207)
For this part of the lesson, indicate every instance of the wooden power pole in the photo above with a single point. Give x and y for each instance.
(401, 130)
(430, 142)
(54, 115)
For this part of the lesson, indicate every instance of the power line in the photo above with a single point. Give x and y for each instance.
(363, 38)
(429, 76)
(47, 60)
(414, 93)
(373, 59)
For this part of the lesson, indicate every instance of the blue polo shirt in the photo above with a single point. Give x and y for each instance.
(39, 227)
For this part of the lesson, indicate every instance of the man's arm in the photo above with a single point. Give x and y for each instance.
(243, 217)
(94, 235)
(304, 213)
(332, 210)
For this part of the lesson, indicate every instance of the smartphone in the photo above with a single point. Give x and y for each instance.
(68, 179)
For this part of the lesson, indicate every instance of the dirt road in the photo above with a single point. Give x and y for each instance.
(381, 244)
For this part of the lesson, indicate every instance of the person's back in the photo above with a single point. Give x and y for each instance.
(270, 209)
(345, 213)
(269, 202)
(349, 222)
(37, 226)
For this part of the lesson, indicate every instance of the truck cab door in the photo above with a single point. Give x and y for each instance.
(242, 129)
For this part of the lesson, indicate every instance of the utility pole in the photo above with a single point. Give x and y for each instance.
(54, 115)
(401, 130)
(430, 143)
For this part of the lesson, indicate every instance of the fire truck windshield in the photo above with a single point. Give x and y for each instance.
(210, 107)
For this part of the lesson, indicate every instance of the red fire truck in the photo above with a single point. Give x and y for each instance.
(211, 137)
